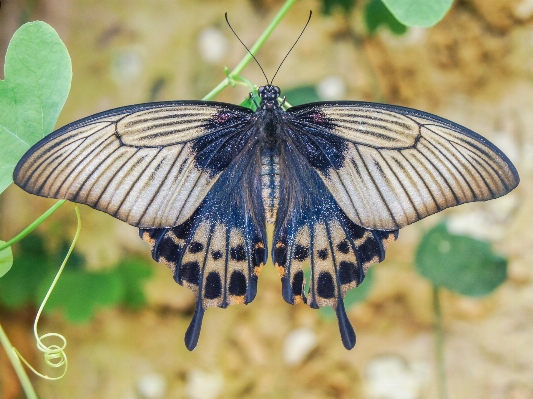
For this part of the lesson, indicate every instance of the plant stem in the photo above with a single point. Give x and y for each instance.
(17, 365)
(254, 49)
(32, 226)
(439, 344)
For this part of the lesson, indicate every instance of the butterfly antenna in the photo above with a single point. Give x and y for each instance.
(249, 52)
(307, 23)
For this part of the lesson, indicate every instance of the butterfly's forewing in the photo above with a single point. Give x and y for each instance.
(389, 166)
(149, 165)
(313, 233)
(219, 250)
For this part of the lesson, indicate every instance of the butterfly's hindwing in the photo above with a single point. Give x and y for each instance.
(389, 166)
(313, 233)
(150, 165)
(219, 251)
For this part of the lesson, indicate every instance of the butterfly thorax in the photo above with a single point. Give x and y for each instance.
(270, 113)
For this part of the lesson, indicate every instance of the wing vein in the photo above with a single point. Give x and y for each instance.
(378, 189)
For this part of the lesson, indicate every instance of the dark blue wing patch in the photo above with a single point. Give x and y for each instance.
(219, 251)
(312, 232)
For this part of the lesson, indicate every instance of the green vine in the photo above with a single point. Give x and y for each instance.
(54, 355)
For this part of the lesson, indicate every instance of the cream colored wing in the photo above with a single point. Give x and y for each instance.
(390, 166)
(149, 165)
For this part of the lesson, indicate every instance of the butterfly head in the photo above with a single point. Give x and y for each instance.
(269, 96)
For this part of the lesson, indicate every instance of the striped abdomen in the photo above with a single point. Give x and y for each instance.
(270, 183)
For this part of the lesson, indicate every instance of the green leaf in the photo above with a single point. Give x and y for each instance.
(133, 272)
(459, 263)
(6, 259)
(424, 13)
(358, 294)
(17, 288)
(301, 95)
(329, 5)
(249, 103)
(38, 73)
(80, 293)
(377, 14)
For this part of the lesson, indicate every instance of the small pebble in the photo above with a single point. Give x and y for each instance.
(298, 344)
(152, 386)
(331, 88)
(212, 45)
(524, 9)
(204, 385)
(126, 65)
(391, 377)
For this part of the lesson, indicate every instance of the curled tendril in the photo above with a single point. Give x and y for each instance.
(241, 80)
(234, 80)
(54, 354)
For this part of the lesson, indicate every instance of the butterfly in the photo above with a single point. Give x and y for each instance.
(201, 180)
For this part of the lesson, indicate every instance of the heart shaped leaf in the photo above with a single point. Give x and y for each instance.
(37, 73)
(6, 259)
(377, 14)
(424, 13)
(460, 263)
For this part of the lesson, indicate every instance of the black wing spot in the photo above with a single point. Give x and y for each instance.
(301, 253)
(237, 283)
(213, 286)
(370, 249)
(238, 253)
(343, 247)
(190, 272)
(356, 232)
(166, 249)
(325, 287)
(196, 247)
(185, 229)
(322, 254)
(280, 254)
(347, 272)
(216, 255)
(258, 255)
(297, 283)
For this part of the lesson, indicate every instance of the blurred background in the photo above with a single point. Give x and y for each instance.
(123, 315)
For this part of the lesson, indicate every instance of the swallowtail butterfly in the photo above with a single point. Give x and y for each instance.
(202, 179)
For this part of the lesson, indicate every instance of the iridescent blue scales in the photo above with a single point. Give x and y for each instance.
(201, 180)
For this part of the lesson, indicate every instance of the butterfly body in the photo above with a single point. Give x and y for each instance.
(202, 179)
(270, 184)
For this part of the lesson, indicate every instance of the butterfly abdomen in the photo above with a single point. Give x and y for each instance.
(270, 182)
